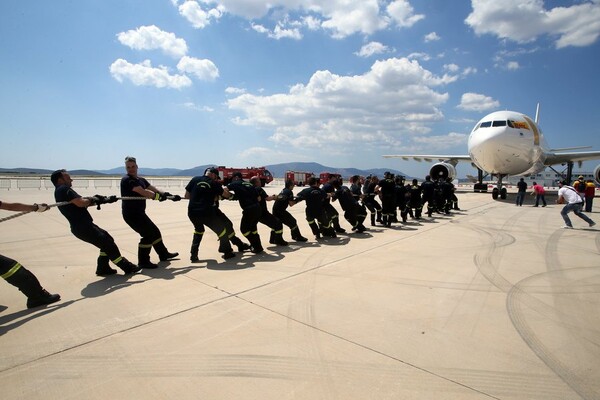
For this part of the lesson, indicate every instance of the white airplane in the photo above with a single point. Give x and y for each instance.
(506, 143)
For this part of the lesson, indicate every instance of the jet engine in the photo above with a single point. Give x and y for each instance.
(597, 175)
(443, 170)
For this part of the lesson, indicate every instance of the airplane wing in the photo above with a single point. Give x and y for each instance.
(563, 158)
(452, 159)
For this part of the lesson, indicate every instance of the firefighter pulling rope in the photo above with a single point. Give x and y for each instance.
(96, 199)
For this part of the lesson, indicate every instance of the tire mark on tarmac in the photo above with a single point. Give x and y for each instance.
(520, 301)
(228, 295)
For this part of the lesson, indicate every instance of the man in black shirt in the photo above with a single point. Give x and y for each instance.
(134, 214)
(202, 192)
(352, 210)
(386, 189)
(266, 217)
(316, 216)
(83, 227)
(17, 275)
(282, 201)
(248, 197)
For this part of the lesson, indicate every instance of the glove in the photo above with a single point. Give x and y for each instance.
(111, 199)
(161, 196)
(41, 207)
(176, 198)
(99, 199)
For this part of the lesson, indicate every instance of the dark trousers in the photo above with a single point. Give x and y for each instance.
(216, 224)
(286, 218)
(93, 234)
(143, 225)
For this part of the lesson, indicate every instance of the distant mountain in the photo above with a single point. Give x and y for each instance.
(25, 171)
(143, 171)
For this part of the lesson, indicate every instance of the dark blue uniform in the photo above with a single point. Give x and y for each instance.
(83, 227)
(203, 192)
(134, 214)
(247, 195)
(315, 211)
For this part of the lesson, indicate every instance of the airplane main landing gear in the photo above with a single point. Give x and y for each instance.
(503, 192)
(495, 193)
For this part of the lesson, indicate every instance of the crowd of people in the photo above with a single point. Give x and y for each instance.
(385, 201)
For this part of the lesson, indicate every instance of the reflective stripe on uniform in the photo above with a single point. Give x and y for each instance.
(11, 271)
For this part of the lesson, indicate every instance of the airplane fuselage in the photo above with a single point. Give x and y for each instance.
(507, 143)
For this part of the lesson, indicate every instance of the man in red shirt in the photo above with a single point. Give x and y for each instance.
(539, 192)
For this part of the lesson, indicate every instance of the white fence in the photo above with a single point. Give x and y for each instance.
(86, 183)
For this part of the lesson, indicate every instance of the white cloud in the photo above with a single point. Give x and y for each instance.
(340, 17)
(525, 20)
(477, 102)
(204, 70)
(396, 97)
(512, 65)
(403, 13)
(193, 106)
(372, 48)
(152, 38)
(452, 139)
(451, 67)
(234, 90)
(419, 56)
(199, 17)
(431, 37)
(144, 74)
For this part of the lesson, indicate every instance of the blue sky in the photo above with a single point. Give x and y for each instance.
(252, 82)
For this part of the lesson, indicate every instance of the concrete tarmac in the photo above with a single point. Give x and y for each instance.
(492, 302)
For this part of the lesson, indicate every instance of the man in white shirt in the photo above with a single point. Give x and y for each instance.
(568, 196)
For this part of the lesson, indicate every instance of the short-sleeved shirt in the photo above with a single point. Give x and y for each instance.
(345, 197)
(203, 192)
(570, 194)
(387, 187)
(127, 184)
(76, 216)
(245, 192)
(539, 189)
(283, 200)
(314, 197)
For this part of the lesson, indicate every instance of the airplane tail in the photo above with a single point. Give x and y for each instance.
(537, 114)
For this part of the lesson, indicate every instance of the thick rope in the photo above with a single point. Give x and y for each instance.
(64, 203)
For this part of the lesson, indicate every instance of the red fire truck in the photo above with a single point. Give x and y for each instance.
(325, 176)
(226, 173)
(300, 178)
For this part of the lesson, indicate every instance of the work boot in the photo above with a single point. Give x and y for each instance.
(103, 268)
(127, 266)
(29, 285)
(297, 236)
(240, 245)
(144, 257)
(163, 253)
(227, 256)
(337, 227)
(254, 239)
(195, 246)
(372, 219)
(278, 239)
(378, 217)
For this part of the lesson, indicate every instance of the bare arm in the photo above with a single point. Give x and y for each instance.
(18, 206)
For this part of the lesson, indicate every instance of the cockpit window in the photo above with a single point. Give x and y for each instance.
(510, 123)
(499, 123)
(486, 124)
